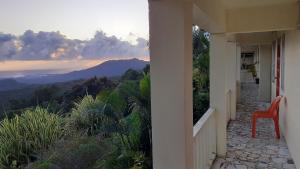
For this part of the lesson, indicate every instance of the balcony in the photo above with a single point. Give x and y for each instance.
(243, 151)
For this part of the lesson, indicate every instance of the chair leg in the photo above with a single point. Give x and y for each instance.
(253, 126)
(276, 123)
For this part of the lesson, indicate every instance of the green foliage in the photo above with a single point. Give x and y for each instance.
(252, 69)
(146, 70)
(201, 105)
(78, 152)
(45, 94)
(123, 159)
(42, 165)
(131, 74)
(24, 136)
(200, 73)
(129, 107)
(92, 87)
(143, 105)
(86, 116)
(104, 125)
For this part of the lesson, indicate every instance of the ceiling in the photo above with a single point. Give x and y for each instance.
(229, 4)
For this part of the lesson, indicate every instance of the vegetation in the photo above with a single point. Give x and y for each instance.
(98, 123)
(24, 137)
(200, 73)
(252, 70)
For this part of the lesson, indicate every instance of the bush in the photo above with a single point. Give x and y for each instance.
(200, 105)
(86, 116)
(76, 153)
(42, 165)
(24, 137)
(123, 160)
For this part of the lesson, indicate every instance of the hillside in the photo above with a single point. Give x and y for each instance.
(10, 84)
(109, 69)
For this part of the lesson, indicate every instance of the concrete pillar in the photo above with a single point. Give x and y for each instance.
(171, 83)
(218, 68)
(231, 78)
(238, 73)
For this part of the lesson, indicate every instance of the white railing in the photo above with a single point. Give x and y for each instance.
(205, 141)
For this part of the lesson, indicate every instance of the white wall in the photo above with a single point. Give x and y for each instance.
(265, 62)
(290, 113)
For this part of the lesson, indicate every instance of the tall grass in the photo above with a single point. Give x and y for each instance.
(86, 116)
(25, 136)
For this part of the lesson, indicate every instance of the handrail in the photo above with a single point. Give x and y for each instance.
(202, 120)
(204, 140)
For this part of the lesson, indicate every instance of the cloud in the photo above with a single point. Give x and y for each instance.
(55, 46)
(8, 46)
(102, 46)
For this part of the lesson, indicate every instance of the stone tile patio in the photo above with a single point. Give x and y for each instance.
(244, 152)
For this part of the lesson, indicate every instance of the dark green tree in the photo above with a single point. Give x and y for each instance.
(200, 72)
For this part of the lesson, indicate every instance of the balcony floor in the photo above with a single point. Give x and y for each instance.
(244, 152)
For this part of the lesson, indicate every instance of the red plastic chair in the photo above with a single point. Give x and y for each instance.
(272, 112)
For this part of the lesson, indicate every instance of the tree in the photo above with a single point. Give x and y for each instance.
(200, 73)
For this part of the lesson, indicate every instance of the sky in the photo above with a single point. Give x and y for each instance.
(71, 34)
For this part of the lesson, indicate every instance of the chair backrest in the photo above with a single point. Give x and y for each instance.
(274, 108)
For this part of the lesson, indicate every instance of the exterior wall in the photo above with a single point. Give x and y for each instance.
(290, 114)
(265, 73)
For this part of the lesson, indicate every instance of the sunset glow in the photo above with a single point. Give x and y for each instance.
(62, 65)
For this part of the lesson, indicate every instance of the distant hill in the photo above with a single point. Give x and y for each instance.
(109, 69)
(11, 84)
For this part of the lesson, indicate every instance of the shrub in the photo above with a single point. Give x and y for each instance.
(42, 165)
(122, 159)
(86, 116)
(24, 137)
(77, 152)
(200, 105)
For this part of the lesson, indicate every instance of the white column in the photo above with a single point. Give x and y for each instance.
(238, 72)
(218, 69)
(231, 78)
(171, 83)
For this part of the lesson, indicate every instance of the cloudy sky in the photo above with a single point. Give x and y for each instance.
(70, 34)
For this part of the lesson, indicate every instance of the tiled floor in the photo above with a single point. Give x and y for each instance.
(244, 152)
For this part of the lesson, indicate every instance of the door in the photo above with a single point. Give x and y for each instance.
(278, 55)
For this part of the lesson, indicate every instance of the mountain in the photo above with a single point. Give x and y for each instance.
(109, 69)
(10, 84)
